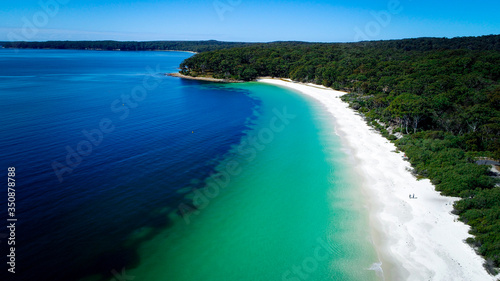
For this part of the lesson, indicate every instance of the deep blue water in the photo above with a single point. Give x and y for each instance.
(151, 139)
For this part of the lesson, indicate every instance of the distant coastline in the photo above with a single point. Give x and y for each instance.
(192, 52)
(99, 49)
(110, 45)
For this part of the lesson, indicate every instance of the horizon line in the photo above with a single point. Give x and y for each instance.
(259, 42)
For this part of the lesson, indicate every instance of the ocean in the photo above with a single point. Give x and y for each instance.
(123, 173)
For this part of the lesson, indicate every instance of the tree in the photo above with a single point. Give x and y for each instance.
(408, 110)
(249, 74)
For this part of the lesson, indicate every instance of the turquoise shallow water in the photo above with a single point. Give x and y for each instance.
(283, 206)
(197, 181)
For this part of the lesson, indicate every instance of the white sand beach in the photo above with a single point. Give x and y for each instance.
(416, 239)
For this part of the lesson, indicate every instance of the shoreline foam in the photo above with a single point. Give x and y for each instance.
(416, 239)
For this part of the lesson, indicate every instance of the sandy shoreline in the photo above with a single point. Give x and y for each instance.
(416, 239)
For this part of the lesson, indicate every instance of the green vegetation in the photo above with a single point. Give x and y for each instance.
(194, 46)
(437, 99)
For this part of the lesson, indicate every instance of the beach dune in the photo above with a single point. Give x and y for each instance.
(416, 238)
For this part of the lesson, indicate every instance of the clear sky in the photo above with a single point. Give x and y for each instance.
(245, 20)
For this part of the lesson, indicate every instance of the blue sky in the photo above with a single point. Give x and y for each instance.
(244, 20)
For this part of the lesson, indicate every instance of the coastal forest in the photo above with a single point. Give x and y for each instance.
(437, 99)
